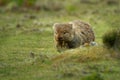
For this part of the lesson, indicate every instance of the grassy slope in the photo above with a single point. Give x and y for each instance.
(36, 36)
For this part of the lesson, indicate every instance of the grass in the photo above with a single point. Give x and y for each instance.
(27, 49)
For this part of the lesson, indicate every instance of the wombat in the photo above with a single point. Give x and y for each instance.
(72, 34)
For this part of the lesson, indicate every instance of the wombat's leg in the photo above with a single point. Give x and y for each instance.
(61, 46)
(86, 44)
(58, 46)
(66, 46)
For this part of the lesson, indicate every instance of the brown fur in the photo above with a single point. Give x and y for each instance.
(72, 34)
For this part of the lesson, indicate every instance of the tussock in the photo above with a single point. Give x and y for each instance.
(111, 39)
(83, 54)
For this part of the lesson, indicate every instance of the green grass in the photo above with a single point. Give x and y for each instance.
(21, 35)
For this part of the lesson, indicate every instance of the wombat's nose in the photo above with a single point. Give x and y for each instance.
(60, 38)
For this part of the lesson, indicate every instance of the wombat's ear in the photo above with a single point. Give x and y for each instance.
(71, 25)
(55, 25)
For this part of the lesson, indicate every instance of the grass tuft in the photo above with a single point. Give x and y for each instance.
(84, 54)
(111, 39)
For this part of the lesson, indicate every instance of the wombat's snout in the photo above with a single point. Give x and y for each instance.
(60, 38)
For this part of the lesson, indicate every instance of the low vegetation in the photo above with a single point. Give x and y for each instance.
(111, 38)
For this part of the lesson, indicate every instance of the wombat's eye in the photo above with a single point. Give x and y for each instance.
(64, 32)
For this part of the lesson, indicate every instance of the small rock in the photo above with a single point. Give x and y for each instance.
(32, 55)
(18, 25)
(93, 44)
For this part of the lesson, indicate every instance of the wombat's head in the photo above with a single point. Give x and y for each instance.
(63, 32)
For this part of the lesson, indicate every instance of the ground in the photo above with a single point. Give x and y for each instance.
(27, 50)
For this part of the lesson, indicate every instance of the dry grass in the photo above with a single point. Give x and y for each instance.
(84, 54)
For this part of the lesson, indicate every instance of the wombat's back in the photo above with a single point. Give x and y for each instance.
(84, 30)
